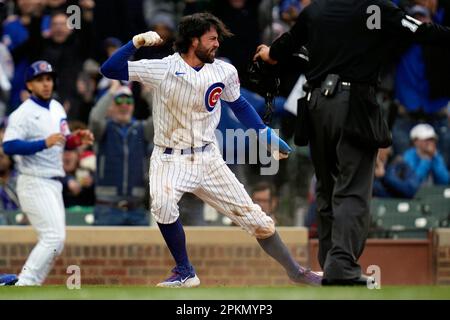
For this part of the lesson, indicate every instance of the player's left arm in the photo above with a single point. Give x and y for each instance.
(16, 140)
(248, 116)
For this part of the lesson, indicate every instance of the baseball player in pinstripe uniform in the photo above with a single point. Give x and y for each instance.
(37, 133)
(188, 87)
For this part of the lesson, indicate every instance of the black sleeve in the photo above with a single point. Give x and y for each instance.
(432, 33)
(397, 23)
(291, 41)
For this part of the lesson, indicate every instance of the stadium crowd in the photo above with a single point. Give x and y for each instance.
(413, 90)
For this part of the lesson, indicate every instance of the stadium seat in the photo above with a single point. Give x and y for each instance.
(3, 219)
(16, 218)
(399, 218)
(427, 191)
(438, 207)
(79, 216)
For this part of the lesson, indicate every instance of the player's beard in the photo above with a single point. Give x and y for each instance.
(205, 55)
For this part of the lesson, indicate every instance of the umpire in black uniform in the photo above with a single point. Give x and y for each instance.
(347, 41)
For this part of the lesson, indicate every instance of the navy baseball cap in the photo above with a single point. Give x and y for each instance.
(39, 68)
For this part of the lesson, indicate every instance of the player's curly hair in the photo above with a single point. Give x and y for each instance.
(196, 25)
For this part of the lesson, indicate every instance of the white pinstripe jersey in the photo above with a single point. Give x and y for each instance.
(186, 102)
(31, 122)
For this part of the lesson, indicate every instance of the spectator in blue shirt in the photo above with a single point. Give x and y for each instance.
(413, 93)
(395, 179)
(424, 158)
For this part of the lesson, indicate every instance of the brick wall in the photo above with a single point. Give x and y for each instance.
(395, 258)
(442, 256)
(113, 256)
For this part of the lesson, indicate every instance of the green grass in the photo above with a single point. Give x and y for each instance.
(225, 293)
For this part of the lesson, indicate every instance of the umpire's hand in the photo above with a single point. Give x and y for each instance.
(262, 52)
(147, 39)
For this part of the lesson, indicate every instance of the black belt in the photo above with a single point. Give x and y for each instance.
(60, 179)
(187, 150)
(343, 85)
(123, 204)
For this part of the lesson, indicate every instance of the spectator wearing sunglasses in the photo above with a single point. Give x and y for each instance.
(122, 149)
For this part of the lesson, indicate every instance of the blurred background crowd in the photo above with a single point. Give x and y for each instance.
(110, 180)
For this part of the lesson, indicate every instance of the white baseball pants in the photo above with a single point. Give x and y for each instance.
(41, 200)
(206, 175)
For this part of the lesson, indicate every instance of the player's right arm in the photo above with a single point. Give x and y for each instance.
(15, 143)
(26, 148)
(117, 66)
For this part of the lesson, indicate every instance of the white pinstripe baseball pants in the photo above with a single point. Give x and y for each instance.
(41, 200)
(206, 175)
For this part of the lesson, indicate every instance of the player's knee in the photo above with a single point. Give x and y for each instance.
(258, 223)
(165, 211)
(265, 231)
(266, 226)
(55, 242)
(58, 247)
(162, 219)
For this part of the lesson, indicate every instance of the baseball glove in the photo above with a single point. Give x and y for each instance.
(264, 80)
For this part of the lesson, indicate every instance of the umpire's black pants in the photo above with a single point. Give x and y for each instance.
(344, 174)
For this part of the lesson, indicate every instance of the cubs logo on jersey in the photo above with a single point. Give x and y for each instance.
(212, 95)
